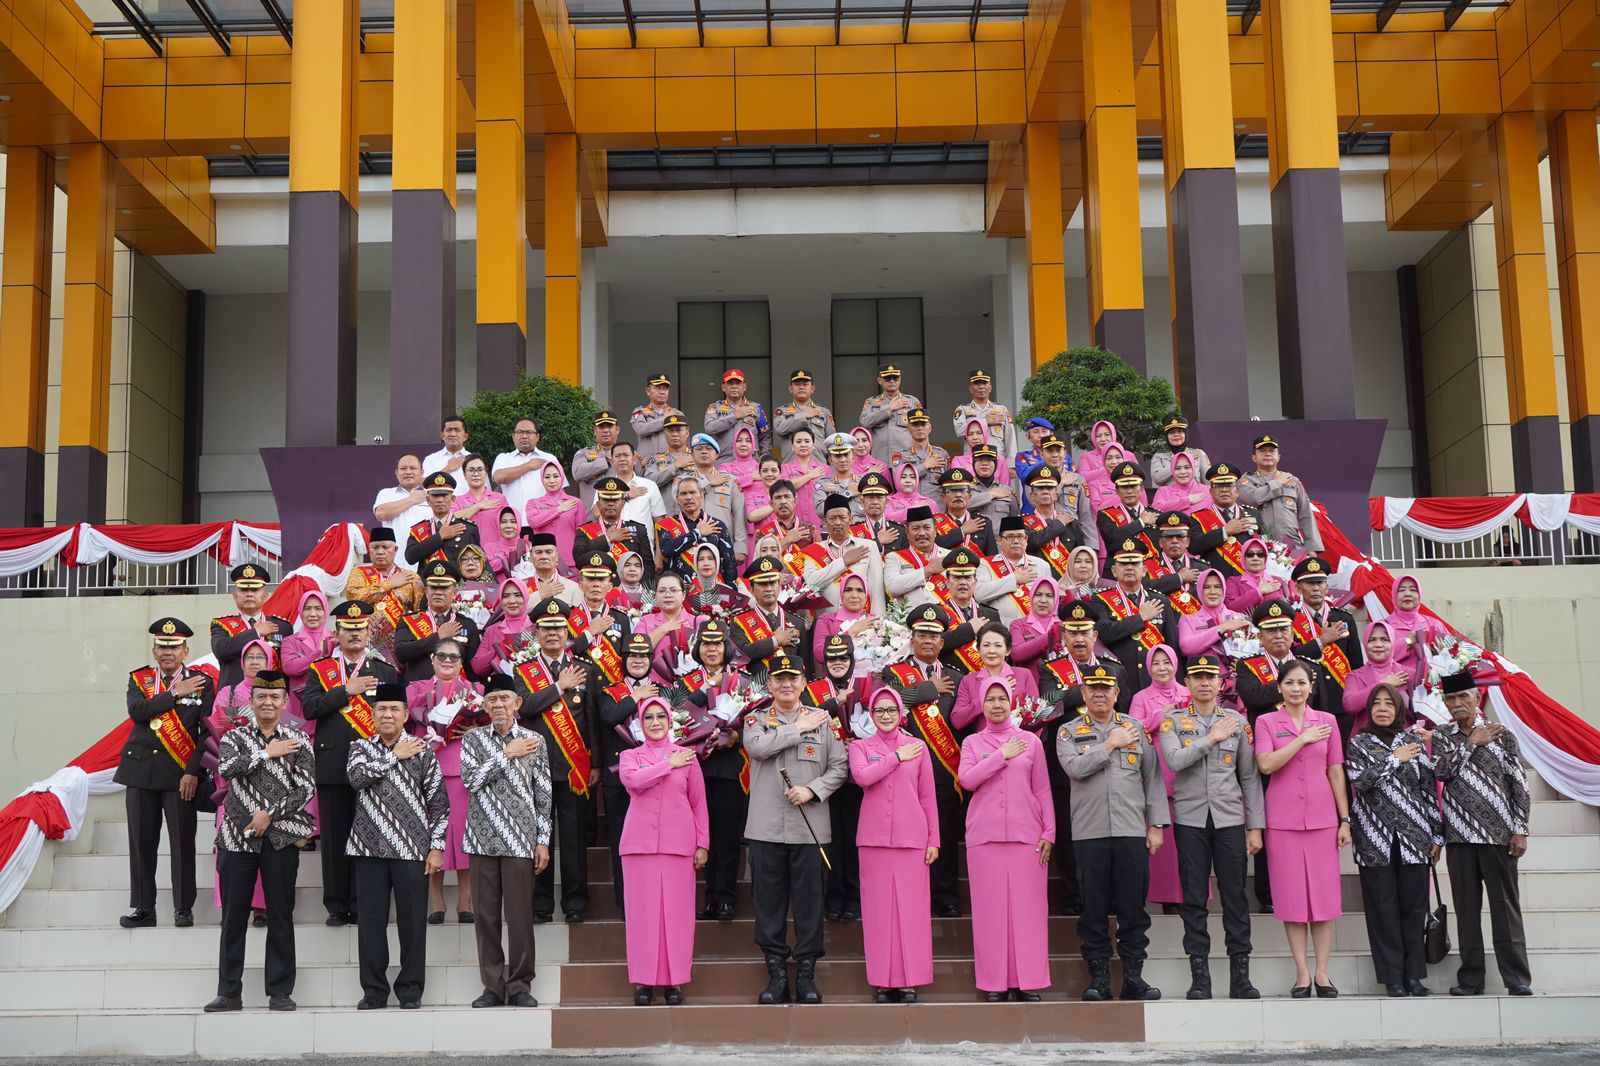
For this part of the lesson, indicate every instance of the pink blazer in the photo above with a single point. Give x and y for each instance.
(1301, 797)
(295, 656)
(666, 808)
(1243, 592)
(545, 516)
(422, 697)
(969, 694)
(897, 804)
(1009, 798)
(489, 655)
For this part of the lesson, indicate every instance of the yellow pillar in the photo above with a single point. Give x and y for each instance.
(422, 307)
(323, 171)
(1206, 275)
(1525, 306)
(1047, 275)
(86, 336)
(1575, 182)
(1315, 354)
(563, 219)
(25, 332)
(502, 195)
(1111, 233)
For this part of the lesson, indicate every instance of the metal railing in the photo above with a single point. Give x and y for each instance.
(197, 575)
(1512, 544)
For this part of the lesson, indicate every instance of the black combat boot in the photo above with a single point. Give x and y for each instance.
(1099, 989)
(1133, 984)
(777, 990)
(1239, 986)
(1199, 977)
(805, 981)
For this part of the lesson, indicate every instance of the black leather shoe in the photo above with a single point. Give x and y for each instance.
(1023, 996)
(574, 917)
(1520, 990)
(832, 915)
(281, 1003)
(1396, 991)
(1300, 992)
(908, 995)
(884, 995)
(541, 917)
(950, 910)
(223, 1004)
(340, 918)
(1416, 988)
(183, 919)
(850, 914)
(724, 912)
(995, 997)
(411, 1004)
(672, 996)
(1466, 990)
(488, 999)
(139, 919)
(708, 912)
(436, 917)
(465, 917)
(1327, 992)
(372, 1004)
(258, 919)
(644, 995)
(524, 999)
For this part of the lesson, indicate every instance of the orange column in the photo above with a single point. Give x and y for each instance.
(25, 333)
(1575, 182)
(502, 195)
(1111, 236)
(563, 219)
(1047, 275)
(1525, 306)
(86, 336)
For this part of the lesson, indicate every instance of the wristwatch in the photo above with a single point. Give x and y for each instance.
(1344, 821)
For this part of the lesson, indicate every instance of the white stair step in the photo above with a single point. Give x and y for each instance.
(1563, 818)
(192, 986)
(1352, 973)
(37, 908)
(315, 945)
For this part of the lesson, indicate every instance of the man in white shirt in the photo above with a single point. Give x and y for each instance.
(454, 453)
(517, 473)
(644, 504)
(405, 504)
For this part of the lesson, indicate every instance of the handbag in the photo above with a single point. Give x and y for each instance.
(1436, 926)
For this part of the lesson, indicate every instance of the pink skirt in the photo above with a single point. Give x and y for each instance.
(1165, 886)
(456, 829)
(1010, 917)
(1304, 867)
(895, 926)
(658, 893)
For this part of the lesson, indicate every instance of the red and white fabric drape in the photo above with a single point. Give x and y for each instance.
(22, 550)
(1563, 748)
(1457, 519)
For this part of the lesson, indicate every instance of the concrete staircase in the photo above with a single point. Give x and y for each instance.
(73, 983)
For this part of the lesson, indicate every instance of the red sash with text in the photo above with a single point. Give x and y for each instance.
(1264, 669)
(358, 712)
(754, 626)
(232, 625)
(1333, 657)
(824, 689)
(798, 556)
(1065, 671)
(563, 727)
(422, 531)
(1022, 598)
(1182, 600)
(669, 526)
(1122, 608)
(420, 624)
(933, 726)
(607, 658)
(167, 725)
(1230, 549)
(944, 525)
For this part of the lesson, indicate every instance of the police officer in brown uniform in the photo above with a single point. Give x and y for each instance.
(160, 771)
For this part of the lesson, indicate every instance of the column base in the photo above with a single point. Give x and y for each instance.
(502, 355)
(23, 504)
(1315, 352)
(1208, 284)
(80, 485)
(1586, 454)
(1536, 454)
(1121, 331)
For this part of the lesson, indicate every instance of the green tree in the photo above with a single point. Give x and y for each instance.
(1083, 386)
(565, 413)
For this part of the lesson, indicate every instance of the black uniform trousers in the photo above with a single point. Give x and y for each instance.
(147, 809)
(1064, 894)
(844, 879)
(336, 813)
(726, 807)
(278, 869)
(945, 874)
(1476, 869)
(376, 880)
(1200, 852)
(616, 801)
(1394, 899)
(1113, 877)
(781, 874)
(570, 842)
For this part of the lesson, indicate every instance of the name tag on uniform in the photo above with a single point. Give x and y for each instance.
(808, 751)
(874, 758)
(1284, 733)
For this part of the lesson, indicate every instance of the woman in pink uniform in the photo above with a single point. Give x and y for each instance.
(310, 641)
(557, 512)
(1185, 492)
(1037, 633)
(1308, 821)
(801, 471)
(1410, 628)
(435, 706)
(510, 630)
(1253, 587)
(742, 467)
(1380, 669)
(665, 839)
(897, 837)
(1204, 631)
(1011, 830)
(994, 645)
(480, 504)
(1149, 705)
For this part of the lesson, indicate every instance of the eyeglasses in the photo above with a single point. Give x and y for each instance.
(1255, 555)
(447, 658)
